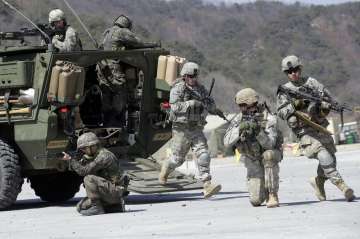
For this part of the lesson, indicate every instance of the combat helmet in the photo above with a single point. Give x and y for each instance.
(56, 15)
(87, 139)
(290, 62)
(246, 96)
(190, 68)
(123, 21)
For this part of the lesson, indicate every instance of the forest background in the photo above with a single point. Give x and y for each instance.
(240, 45)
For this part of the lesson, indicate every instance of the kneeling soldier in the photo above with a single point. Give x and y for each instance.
(255, 135)
(104, 181)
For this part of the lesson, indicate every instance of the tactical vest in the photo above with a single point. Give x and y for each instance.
(193, 115)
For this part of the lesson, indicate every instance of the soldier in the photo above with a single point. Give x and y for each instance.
(104, 181)
(120, 36)
(111, 72)
(313, 143)
(254, 132)
(188, 116)
(69, 41)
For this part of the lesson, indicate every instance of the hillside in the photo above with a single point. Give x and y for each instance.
(239, 45)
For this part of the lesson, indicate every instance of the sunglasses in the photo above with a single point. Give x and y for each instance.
(248, 106)
(192, 76)
(292, 70)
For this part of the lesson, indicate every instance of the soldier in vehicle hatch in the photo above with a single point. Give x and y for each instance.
(314, 142)
(69, 41)
(104, 181)
(255, 134)
(112, 72)
(188, 116)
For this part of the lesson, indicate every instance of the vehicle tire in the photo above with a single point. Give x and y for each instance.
(56, 187)
(10, 175)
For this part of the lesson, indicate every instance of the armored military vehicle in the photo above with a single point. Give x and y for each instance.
(48, 99)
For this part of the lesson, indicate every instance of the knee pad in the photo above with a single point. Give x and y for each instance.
(271, 158)
(326, 160)
(204, 160)
(175, 161)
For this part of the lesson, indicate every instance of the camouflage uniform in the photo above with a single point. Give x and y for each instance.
(113, 85)
(103, 179)
(69, 42)
(190, 102)
(120, 38)
(188, 125)
(261, 153)
(313, 144)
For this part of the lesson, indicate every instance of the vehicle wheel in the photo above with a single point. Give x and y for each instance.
(56, 187)
(10, 175)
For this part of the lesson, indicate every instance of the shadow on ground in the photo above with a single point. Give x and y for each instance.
(312, 202)
(135, 199)
(175, 197)
(38, 203)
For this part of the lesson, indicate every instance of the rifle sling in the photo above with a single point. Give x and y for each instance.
(306, 120)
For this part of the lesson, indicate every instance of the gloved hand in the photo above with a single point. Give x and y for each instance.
(195, 104)
(249, 128)
(324, 108)
(255, 127)
(55, 39)
(299, 104)
(292, 122)
(244, 125)
(325, 105)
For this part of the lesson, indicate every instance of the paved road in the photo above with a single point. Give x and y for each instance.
(187, 215)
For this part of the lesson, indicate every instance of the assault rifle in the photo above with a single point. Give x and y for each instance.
(206, 100)
(59, 155)
(143, 45)
(26, 32)
(309, 94)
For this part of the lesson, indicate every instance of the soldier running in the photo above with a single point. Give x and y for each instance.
(313, 143)
(188, 117)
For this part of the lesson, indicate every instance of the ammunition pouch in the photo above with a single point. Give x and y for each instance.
(324, 109)
(299, 104)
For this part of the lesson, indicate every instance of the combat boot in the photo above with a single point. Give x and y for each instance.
(318, 184)
(95, 209)
(273, 200)
(211, 189)
(164, 173)
(348, 192)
